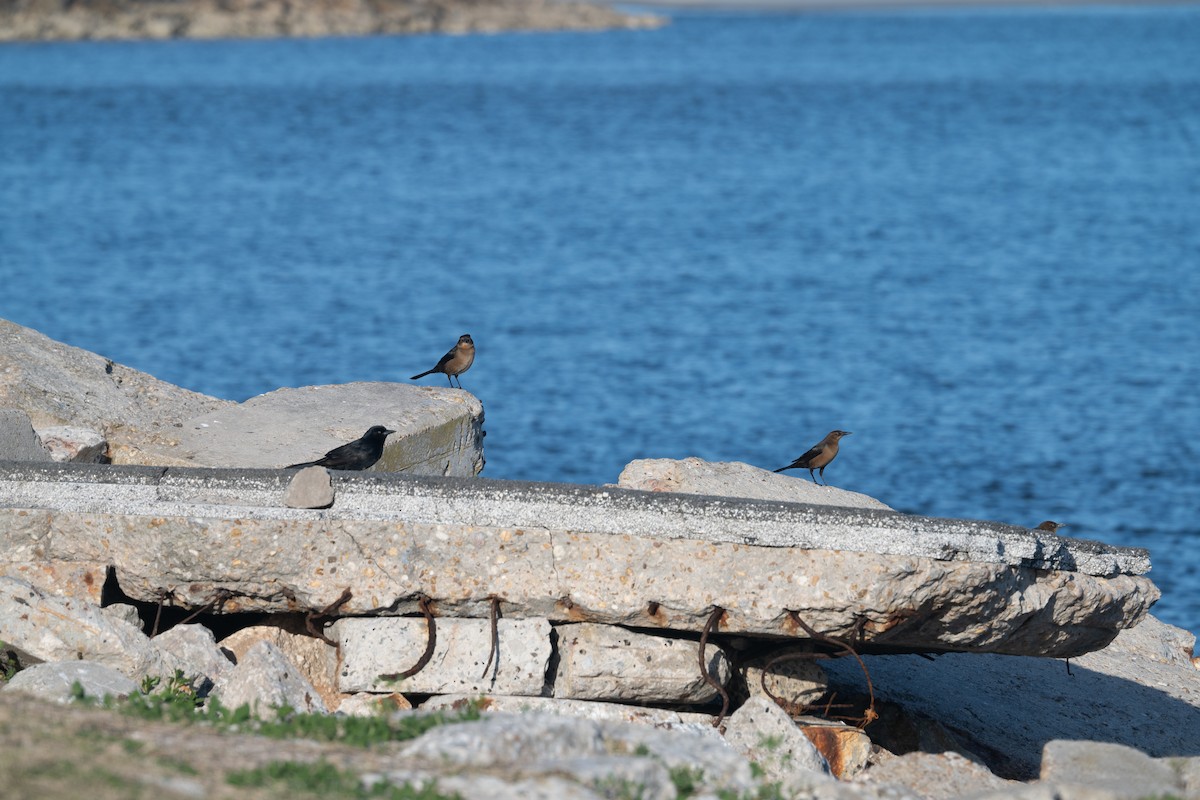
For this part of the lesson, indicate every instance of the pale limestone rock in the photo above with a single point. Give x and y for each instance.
(1120, 770)
(734, 479)
(660, 718)
(538, 743)
(60, 385)
(798, 682)
(78, 445)
(937, 776)
(310, 488)
(266, 680)
(377, 646)
(438, 431)
(605, 662)
(491, 787)
(315, 659)
(192, 650)
(125, 613)
(49, 628)
(1154, 640)
(766, 735)
(55, 680)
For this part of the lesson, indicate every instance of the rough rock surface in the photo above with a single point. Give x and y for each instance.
(192, 650)
(55, 680)
(375, 647)
(670, 559)
(42, 627)
(79, 445)
(1123, 771)
(439, 431)
(311, 488)
(148, 421)
(266, 680)
(846, 749)
(797, 682)
(211, 19)
(1012, 707)
(606, 662)
(765, 734)
(735, 479)
(315, 660)
(937, 776)
(60, 385)
(660, 718)
(18, 442)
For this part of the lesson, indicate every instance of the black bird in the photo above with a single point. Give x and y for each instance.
(359, 454)
(1051, 525)
(819, 456)
(455, 362)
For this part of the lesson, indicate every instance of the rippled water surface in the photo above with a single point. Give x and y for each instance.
(970, 237)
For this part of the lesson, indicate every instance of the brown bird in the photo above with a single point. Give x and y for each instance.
(1051, 525)
(819, 456)
(456, 362)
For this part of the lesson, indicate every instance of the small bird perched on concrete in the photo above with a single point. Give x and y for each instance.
(819, 456)
(357, 455)
(456, 362)
(1051, 525)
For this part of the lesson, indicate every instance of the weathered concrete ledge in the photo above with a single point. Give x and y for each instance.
(566, 553)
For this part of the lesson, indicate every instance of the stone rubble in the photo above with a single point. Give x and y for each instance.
(76, 445)
(595, 689)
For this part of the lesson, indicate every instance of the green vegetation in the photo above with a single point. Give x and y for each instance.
(687, 781)
(9, 665)
(173, 700)
(328, 782)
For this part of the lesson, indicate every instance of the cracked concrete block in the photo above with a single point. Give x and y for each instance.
(606, 662)
(315, 659)
(372, 647)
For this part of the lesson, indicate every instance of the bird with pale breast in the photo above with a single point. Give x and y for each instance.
(360, 454)
(819, 456)
(456, 362)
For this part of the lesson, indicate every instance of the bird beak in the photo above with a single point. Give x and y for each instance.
(386, 432)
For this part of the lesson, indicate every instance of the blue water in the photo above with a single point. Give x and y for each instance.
(970, 237)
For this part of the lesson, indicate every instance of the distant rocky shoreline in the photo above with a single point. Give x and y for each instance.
(68, 20)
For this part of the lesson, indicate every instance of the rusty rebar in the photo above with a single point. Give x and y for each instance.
(870, 715)
(311, 617)
(431, 642)
(494, 651)
(713, 620)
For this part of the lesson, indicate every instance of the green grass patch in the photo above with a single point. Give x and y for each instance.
(687, 780)
(172, 700)
(328, 782)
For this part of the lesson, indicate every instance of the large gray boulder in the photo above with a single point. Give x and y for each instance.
(1131, 693)
(439, 431)
(148, 421)
(42, 627)
(56, 681)
(266, 681)
(59, 385)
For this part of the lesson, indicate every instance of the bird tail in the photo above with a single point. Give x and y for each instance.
(299, 466)
(423, 374)
(781, 469)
